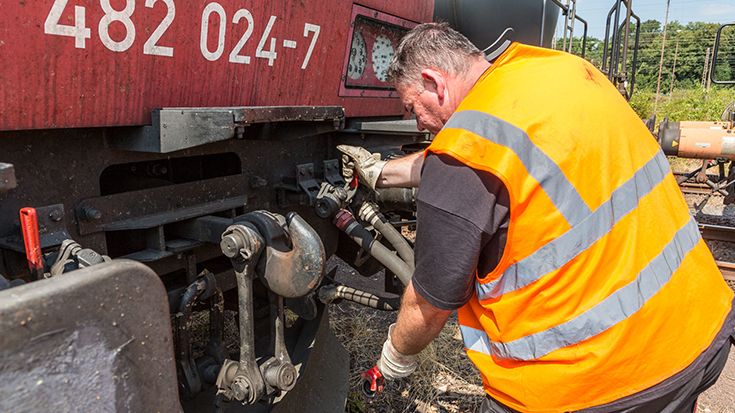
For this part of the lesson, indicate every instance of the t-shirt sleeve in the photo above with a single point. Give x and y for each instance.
(459, 214)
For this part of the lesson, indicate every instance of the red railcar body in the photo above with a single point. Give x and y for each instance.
(141, 131)
(90, 63)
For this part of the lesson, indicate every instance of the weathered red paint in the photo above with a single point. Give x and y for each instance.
(45, 82)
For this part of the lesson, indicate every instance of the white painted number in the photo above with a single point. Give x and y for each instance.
(271, 53)
(79, 31)
(213, 8)
(266, 49)
(122, 16)
(235, 55)
(151, 46)
(310, 28)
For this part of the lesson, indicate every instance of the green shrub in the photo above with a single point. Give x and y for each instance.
(685, 104)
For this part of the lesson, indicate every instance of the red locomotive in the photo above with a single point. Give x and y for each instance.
(177, 158)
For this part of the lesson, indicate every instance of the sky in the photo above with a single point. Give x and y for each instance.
(683, 11)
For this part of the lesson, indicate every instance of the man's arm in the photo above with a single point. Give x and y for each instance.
(462, 212)
(404, 172)
(418, 323)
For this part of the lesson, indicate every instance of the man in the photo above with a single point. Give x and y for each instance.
(550, 220)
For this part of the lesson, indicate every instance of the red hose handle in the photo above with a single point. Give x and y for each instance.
(373, 382)
(29, 225)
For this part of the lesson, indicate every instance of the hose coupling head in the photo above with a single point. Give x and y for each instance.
(343, 219)
(369, 212)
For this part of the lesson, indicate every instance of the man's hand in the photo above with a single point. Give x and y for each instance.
(391, 365)
(394, 365)
(368, 165)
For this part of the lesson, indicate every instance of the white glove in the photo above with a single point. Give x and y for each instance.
(394, 365)
(368, 165)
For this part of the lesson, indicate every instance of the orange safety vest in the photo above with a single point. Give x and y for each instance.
(605, 287)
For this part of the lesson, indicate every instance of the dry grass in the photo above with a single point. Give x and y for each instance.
(446, 381)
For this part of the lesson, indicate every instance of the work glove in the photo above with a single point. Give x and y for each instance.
(368, 165)
(391, 365)
(394, 365)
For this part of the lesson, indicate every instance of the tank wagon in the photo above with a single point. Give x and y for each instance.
(163, 161)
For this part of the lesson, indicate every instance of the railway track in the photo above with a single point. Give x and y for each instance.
(720, 233)
(698, 189)
(711, 187)
(717, 232)
(727, 269)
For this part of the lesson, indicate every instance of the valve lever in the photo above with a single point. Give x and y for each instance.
(31, 239)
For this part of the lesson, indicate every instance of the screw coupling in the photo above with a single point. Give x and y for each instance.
(241, 241)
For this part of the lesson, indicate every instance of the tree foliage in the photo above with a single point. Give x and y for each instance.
(693, 40)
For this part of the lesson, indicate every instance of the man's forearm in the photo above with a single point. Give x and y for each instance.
(418, 323)
(403, 172)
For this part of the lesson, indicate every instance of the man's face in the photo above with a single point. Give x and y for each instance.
(425, 104)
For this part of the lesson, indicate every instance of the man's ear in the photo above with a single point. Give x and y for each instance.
(435, 82)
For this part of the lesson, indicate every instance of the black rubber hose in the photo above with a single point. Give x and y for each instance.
(186, 360)
(330, 293)
(215, 346)
(347, 223)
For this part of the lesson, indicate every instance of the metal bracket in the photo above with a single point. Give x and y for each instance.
(290, 190)
(332, 173)
(51, 225)
(174, 129)
(51, 229)
(306, 181)
(390, 127)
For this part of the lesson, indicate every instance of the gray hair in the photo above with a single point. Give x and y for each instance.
(431, 45)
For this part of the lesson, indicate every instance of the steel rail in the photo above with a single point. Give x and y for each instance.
(721, 233)
(717, 232)
(727, 269)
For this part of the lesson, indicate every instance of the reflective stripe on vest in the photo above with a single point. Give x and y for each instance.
(615, 308)
(546, 172)
(587, 226)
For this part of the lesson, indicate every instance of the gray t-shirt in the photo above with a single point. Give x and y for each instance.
(463, 220)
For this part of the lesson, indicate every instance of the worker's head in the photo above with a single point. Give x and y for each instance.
(432, 70)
